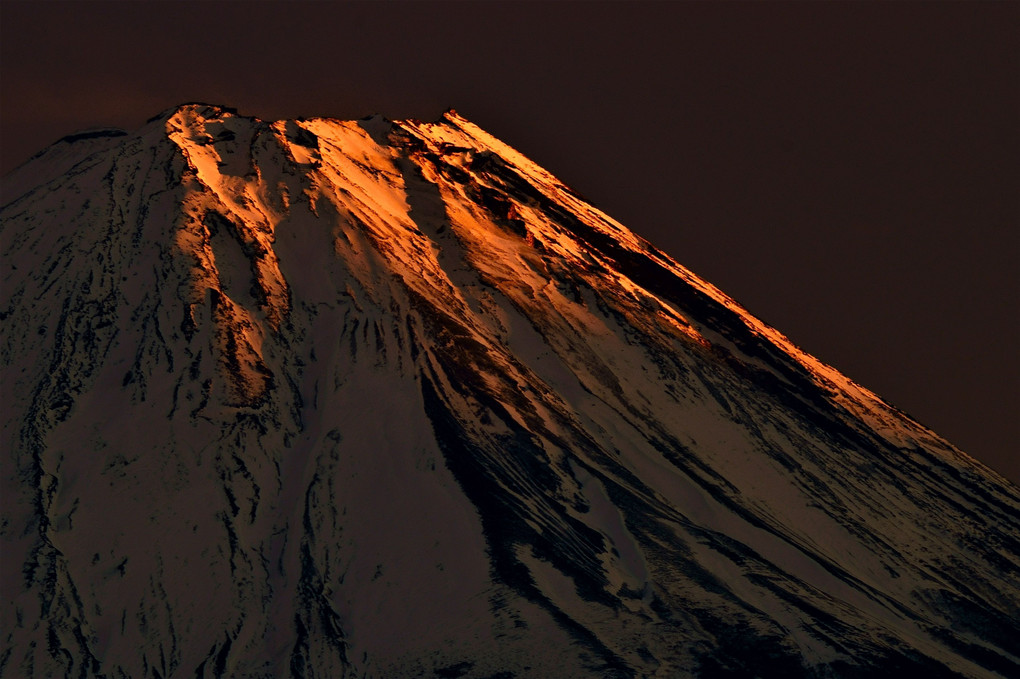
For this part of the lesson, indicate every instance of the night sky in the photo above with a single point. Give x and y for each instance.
(849, 172)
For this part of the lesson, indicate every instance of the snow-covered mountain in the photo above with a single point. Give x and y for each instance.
(320, 398)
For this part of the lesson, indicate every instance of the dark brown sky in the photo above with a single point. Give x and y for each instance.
(849, 172)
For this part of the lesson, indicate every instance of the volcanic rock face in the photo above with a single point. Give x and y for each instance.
(318, 398)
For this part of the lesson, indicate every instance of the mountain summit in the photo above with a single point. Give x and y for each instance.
(321, 398)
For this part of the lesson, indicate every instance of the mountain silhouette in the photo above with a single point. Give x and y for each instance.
(321, 398)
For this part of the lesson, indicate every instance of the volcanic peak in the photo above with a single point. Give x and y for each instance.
(385, 398)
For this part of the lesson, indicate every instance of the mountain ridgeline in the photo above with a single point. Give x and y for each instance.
(321, 398)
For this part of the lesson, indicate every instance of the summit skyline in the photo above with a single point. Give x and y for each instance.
(804, 158)
(380, 399)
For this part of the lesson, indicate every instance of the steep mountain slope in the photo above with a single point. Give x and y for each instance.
(319, 398)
